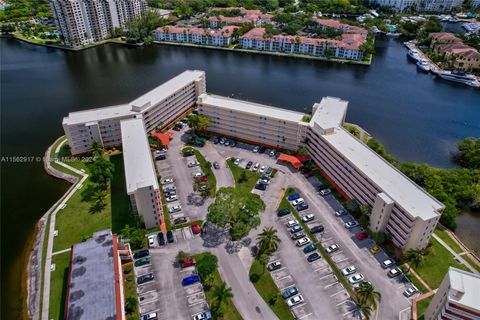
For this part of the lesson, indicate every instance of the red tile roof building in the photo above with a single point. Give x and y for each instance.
(343, 27)
(256, 17)
(214, 37)
(464, 57)
(347, 48)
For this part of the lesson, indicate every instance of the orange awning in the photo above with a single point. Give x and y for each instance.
(164, 137)
(297, 164)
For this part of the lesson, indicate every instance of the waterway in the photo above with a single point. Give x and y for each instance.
(416, 117)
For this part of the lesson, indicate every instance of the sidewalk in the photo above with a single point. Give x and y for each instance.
(456, 255)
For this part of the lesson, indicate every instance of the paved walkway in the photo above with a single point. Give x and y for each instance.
(456, 255)
(62, 204)
(418, 277)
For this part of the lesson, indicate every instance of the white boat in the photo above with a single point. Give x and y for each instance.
(460, 77)
(413, 55)
(423, 65)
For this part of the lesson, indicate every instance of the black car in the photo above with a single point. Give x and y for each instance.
(269, 170)
(180, 220)
(283, 212)
(215, 140)
(261, 186)
(302, 206)
(314, 256)
(141, 254)
(161, 157)
(262, 150)
(161, 239)
(188, 153)
(317, 229)
(170, 193)
(249, 165)
(169, 236)
(145, 278)
(290, 292)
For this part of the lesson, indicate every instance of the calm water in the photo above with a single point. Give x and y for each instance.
(416, 117)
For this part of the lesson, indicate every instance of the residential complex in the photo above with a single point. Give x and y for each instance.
(255, 17)
(347, 48)
(339, 26)
(269, 126)
(158, 108)
(140, 174)
(456, 298)
(421, 5)
(450, 47)
(213, 37)
(95, 285)
(81, 22)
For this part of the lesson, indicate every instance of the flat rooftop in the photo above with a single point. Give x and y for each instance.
(137, 159)
(467, 283)
(91, 292)
(330, 112)
(164, 90)
(98, 114)
(251, 108)
(395, 184)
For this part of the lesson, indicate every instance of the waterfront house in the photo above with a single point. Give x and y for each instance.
(339, 26)
(462, 56)
(214, 37)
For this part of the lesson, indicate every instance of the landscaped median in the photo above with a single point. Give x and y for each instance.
(245, 180)
(206, 169)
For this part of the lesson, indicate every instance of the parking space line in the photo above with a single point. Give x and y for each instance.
(337, 293)
(279, 279)
(343, 302)
(328, 275)
(194, 304)
(330, 285)
(298, 306)
(308, 314)
(284, 288)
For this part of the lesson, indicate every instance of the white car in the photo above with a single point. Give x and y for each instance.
(387, 263)
(171, 198)
(206, 315)
(298, 201)
(237, 161)
(302, 242)
(349, 270)
(308, 218)
(150, 316)
(262, 169)
(193, 164)
(169, 188)
(295, 301)
(199, 175)
(291, 223)
(255, 167)
(256, 149)
(174, 209)
(410, 291)
(272, 153)
(168, 180)
(351, 224)
(263, 181)
(394, 272)
(151, 241)
(356, 278)
(332, 248)
(340, 212)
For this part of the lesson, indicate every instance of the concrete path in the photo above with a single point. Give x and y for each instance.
(224, 177)
(456, 255)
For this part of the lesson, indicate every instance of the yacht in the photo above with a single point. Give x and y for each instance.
(423, 65)
(413, 55)
(460, 77)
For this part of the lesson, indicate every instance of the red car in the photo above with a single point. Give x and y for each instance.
(362, 235)
(203, 179)
(195, 228)
(188, 263)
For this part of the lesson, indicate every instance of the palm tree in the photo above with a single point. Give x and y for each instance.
(97, 148)
(414, 257)
(221, 295)
(366, 294)
(263, 259)
(268, 240)
(365, 309)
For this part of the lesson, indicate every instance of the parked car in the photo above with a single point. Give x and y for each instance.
(387, 263)
(263, 181)
(308, 218)
(167, 181)
(298, 235)
(222, 140)
(283, 212)
(216, 165)
(142, 262)
(193, 164)
(190, 280)
(274, 266)
(410, 291)
(349, 270)
(262, 169)
(203, 178)
(317, 229)
(311, 247)
(170, 236)
(145, 278)
(291, 223)
(361, 236)
(205, 315)
(340, 212)
(271, 153)
(332, 248)
(255, 167)
(149, 316)
(255, 149)
(395, 272)
(161, 157)
(375, 249)
(294, 196)
(169, 188)
(302, 206)
(141, 254)
(249, 165)
(215, 140)
(356, 278)
(151, 241)
(261, 186)
(314, 256)
(170, 193)
(325, 192)
(269, 171)
(199, 175)
(233, 144)
(175, 209)
(195, 228)
(161, 239)
(296, 228)
(188, 262)
(351, 224)
(295, 301)
(290, 292)
(296, 202)
(180, 220)
(262, 149)
(237, 161)
(188, 153)
(302, 242)
(171, 198)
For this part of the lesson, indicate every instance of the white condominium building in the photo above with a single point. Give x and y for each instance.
(456, 298)
(421, 5)
(82, 22)
(140, 175)
(158, 108)
(399, 206)
(253, 122)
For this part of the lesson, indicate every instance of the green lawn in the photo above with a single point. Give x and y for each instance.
(413, 279)
(422, 306)
(58, 285)
(231, 312)
(446, 238)
(44, 257)
(207, 169)
(244, 186)
(130, 288)
(267, 289)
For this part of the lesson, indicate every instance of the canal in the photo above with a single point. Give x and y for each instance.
(416, 117)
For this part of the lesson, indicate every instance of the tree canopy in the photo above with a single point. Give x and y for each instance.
(468, 155)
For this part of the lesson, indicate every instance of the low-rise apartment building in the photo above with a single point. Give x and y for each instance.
(420, 5)
(456, 298)
(464, 57)
(253, 122)
(213, 37)
(140, 174)
(399, 206)
(339, 26)
(347, 48)
(158, 108)
(255, 17)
